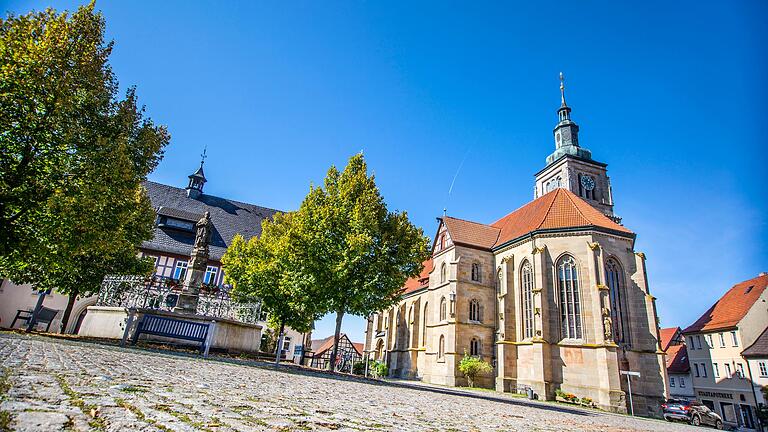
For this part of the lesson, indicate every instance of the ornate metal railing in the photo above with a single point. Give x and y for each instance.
(163, 294)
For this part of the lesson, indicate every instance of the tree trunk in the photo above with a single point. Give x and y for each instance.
(279, 349)
(339, 317)
(68, 310)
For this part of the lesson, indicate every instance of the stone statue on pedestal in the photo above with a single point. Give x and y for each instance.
(198, 264)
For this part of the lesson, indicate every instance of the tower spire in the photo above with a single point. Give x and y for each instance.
(562, 90)
(197, 179)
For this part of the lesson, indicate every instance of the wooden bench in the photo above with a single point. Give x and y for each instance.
(172, 328)
(45, 316)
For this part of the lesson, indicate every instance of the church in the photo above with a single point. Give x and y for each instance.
(553, 295)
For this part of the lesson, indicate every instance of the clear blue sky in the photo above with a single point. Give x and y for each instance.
(672, 95)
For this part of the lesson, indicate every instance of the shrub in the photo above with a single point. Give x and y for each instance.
(586, 401)
(358, 368)
(471, 367)
(380, 369)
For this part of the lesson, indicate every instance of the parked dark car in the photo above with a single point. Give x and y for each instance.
(677, 409)
(702, 415)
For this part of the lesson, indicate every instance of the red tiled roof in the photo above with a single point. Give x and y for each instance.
(358, 347)
(677, 359)
(731, 308)
(759, 348)
(422, 281)
(666, 336)
(471, 233)
(560, 208)
(319, 346)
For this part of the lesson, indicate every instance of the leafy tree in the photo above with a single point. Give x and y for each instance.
(72, 208)
(355, 251)
(265, 269)
(472, 366)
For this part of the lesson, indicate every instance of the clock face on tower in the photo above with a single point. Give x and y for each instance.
(587, 182)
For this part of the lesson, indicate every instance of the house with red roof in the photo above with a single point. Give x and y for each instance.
(553, 295)
(716, 350)
(678, 368)
(348, 354)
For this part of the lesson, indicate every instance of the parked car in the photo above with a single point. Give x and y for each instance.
(702, 415)
(677, 409)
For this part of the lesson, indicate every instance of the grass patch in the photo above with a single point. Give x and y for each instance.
(133, 389)
(183, 417)
(76, 399)
(5, 385)
(140, 415)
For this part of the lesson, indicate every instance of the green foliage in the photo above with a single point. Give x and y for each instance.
(352, 249)
(267, 269)
(568, 397)
(379, 369)
(472, 366)
(72, 156)
(359, 368)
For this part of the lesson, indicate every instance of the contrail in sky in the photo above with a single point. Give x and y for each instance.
(450, 189)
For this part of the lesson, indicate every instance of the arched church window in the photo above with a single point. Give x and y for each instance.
(424, 325)
(474, 347)
(526, 283)
(475, 272)
(443, 273)
(474, 310)
(443, 309)
(615, 277)
(441, 348)
(570, 304)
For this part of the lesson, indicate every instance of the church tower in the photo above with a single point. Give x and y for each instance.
(571, 166)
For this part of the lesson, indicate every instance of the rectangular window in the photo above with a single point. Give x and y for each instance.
(671, 381)
(715, 370)
(727, 370)
(740, 370)
(698, 341)
(696, 369)
(722, 341)
(286, 343)
(181, 270)
(735, 339)
(709, 341)
(690, 342)
(704, 370)
(682, 382)
(210, 275)
(763, 369)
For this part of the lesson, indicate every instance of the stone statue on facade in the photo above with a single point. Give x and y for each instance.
(607, 324)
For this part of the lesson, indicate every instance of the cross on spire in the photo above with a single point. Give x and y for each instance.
(204, 155)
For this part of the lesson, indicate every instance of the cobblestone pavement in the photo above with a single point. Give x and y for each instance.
(50, 384)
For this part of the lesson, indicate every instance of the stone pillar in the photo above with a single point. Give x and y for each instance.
(544, 335)
(198, 264)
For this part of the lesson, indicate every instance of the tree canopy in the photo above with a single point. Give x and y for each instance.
(72, 156)
(266, 269)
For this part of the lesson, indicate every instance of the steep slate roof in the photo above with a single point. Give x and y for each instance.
(422, 281)
(560, 208)
(759, 348)
(229, 217)
(470, 233)
(666, 336)
(732, 306)
(677, 359)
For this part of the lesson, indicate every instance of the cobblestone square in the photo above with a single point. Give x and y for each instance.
(53, 385)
